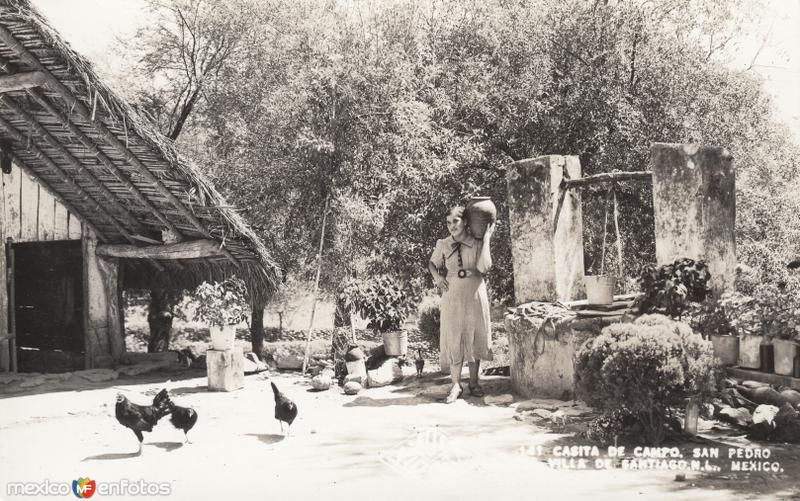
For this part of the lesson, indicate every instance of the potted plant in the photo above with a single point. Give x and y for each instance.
(221, 306)
(780, 317)
(743, 315)
(711, 319)
(386, 305)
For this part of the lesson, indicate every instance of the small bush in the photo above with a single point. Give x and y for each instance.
(645, 369)
(428, 319)
(670, 288)
(381, 300)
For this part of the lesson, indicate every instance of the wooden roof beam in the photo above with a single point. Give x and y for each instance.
(74, 162)
(17, 136)
(73, 103)
(18, 161)
(90, 145)
(21, 81)
(182, 250)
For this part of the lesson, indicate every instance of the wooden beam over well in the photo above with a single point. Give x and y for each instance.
(182, 250)
(607, 177)
(21, 81)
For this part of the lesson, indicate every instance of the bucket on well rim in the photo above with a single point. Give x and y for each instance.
(599, 289)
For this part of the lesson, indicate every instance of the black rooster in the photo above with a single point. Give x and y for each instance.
(182, 418)
(419, 362)
(138, 418)
(285, 409)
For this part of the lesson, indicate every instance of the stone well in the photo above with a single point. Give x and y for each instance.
(542, 342)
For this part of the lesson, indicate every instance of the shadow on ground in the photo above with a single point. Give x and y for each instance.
(266, 438)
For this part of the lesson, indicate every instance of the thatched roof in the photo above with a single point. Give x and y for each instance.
(110, 165)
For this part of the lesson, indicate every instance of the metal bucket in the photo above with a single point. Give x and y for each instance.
(599, 289)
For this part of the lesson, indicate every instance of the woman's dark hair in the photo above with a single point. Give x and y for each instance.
(456, 210)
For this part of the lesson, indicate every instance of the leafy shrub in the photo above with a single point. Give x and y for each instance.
(671, 287)
(773, 311)
(732, 314)
(221, 303)
(778, 310)
(645, 369)
(381, 300)
(428, 319)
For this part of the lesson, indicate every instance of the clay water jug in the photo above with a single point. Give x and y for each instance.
(480, 211)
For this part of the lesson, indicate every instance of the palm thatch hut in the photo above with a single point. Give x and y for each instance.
(94, 199)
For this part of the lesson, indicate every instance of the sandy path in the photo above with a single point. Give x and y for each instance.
(341, 447)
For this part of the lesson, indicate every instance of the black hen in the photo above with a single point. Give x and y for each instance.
(138, 418)
(285, 409)
(182, 418)
(794, 264)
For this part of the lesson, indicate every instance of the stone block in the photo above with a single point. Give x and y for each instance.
(225, 369)
(546, 236)
(694, 205)
(503, 399)
(436, 391)
(542, 413)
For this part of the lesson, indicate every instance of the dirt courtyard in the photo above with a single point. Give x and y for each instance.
(386, 443)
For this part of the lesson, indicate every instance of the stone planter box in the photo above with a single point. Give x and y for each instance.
(726, 349)
(749, 356)
(785, 351)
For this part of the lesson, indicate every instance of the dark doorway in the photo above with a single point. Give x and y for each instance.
(48, 306)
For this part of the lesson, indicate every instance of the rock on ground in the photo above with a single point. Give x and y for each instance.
(503, 399)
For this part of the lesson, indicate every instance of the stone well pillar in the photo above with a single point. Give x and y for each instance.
(547, 252)
(694, 201)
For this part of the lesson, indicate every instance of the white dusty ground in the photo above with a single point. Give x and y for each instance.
(383, 444)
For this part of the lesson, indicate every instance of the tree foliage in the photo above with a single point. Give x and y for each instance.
(397, 110)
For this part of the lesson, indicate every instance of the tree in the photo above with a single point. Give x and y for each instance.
(397, 110)
(183, 49)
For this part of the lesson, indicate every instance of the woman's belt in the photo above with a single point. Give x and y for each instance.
(463, 273)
